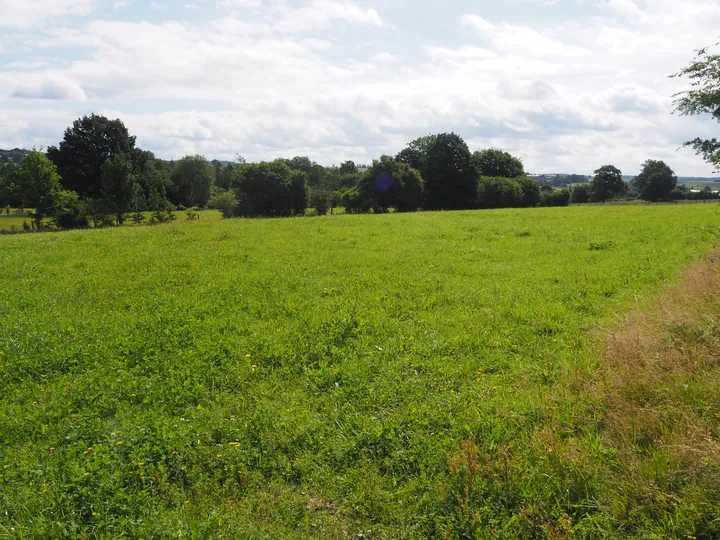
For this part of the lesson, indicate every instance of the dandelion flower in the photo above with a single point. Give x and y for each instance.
(248, 356)
(118, 443)
(219, 456)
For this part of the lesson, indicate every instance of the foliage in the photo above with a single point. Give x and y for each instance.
(702, 98)
(354, 202)
(270, 189)
(449, 174)
(348, 167)
(529, 192)
(37, 185)
(68, 211)
(607, 184)
(677, 195)
(191, 182)
(226, 202)
(499, 192)
(391, 184)
(556, 197)
(320, 201)
(85, 148)
(655, 181)
(118, 188)
(580, 194)
(395, 376)
(415, 154)
(496, 163)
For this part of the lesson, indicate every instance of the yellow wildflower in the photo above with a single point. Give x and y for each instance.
(248, 356)
(118, 443)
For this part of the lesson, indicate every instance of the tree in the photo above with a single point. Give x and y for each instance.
(226, 202)
(496, 163)
(530, 192)
(391, 184)
(85, 148)
(702, 98)
(607, 184)
(7, 175)
(118, 189)
(498, 192)
(580, 194)
(556, 197)
(655, 182)
(37, 184)
(191, 182)
(68, 210)
(449, 174)
(270, 189)
(348, 167)
(415, 154)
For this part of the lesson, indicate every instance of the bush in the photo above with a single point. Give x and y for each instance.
(677, 195)
(530, 192)
(558, 197)
(193, 213)
(353, 202)
(498, 193)
(580, 194)
(69, 212)
(226, 202)
(320, 201)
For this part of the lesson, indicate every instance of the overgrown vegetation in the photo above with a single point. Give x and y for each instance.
(407, 375)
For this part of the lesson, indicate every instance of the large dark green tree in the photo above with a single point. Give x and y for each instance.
(37, 185)
(119, 188)
(415, 153)
(270, 189)
(702, 98)
(496, 163)
(607, 184)
(191, 182)
(85, 148)
(450, 177)
(655, 182)
(391, 184)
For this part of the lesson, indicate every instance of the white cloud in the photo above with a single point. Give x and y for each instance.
(120, 5)
(25, 14)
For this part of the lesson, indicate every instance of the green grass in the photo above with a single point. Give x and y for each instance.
(395, 375)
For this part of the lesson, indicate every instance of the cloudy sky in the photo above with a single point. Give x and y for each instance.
(568, 85)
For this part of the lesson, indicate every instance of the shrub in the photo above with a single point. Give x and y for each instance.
(580, 194)
(498, 192)
(320, 201)
(226, 202)
(558, 197)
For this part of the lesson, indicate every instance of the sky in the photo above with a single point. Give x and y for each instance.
(566, 85)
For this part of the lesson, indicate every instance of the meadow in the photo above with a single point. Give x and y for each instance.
(401, 375)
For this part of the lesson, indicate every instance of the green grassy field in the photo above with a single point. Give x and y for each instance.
(403, 375)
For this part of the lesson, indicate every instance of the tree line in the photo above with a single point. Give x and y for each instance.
(98, 176)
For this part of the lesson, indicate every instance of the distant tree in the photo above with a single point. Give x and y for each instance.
(576, 179)
(391, 184)
(498, 192)
(557, 197)
(530, 192)
(37, 184)
(354, 202)
(655, 182)
(316, 174)
(607, 184)
(320, 201)
(68, 211)
(7, 174)
(191, 182)
(118, 189)
(270, 189)
(496, 163)
(348, 167)
(702, 98)
(85, 148)
(415, 154)
(580, 194)
(450, 177)
(677, 195)
(226, 202)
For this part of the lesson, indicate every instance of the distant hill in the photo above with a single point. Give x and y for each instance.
(15, 155)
